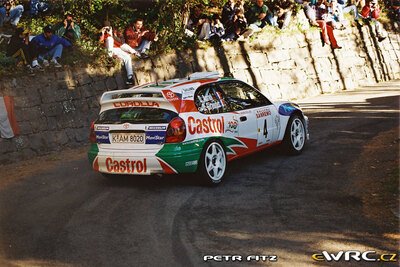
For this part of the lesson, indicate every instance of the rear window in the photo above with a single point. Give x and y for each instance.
(136, 115)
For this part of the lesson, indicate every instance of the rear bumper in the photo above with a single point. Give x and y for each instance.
(170, 159)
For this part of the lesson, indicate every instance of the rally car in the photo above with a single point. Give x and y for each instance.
(193, 125)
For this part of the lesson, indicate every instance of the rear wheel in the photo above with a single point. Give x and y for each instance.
(295, 135)
(213, 163)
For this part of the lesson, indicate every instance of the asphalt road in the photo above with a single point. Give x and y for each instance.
(63, 214)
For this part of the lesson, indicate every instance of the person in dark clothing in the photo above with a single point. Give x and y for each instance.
(19, 46)
(228, 13)
(68, 29)
(48, 45)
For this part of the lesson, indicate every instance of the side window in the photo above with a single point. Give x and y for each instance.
(210, 100)
(242, 96)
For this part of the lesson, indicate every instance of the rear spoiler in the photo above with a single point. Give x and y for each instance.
(122, 99)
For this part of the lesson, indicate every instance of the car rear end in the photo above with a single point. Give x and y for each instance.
(131, 129)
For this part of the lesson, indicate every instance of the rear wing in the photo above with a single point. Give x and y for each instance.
(128, 98)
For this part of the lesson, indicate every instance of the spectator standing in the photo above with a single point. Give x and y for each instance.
(68, 29)
(371, 13)
(113, 42)
(10, 12)
(198, 24)
(48, 46)
(19, 46)
(139, 38)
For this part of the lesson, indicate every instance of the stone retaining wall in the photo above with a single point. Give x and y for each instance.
(54, 109)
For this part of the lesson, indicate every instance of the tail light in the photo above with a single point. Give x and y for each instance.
(92, 135)
(176, 131)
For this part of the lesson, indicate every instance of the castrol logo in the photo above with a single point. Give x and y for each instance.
(207, 125)
(126, 166)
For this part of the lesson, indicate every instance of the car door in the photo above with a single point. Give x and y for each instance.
(235, 95)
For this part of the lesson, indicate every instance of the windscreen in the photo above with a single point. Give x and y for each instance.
(136, 115)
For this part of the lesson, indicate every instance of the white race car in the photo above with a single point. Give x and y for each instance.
(197, 124)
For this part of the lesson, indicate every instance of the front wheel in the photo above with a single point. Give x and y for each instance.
(295, 136)
(213, 163)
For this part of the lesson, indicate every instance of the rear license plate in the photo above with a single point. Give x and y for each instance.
(130, 138)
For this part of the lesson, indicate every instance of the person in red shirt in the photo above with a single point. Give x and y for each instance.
(139, 38)
(112, 40)
(371, 12)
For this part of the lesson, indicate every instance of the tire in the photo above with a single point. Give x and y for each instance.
(213, 163)
(295, 136)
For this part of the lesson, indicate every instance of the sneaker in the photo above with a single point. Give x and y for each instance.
(55, 63)
(129, 81)
(46, 63)
(36, 66)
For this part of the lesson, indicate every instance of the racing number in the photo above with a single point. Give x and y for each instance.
(265, 129)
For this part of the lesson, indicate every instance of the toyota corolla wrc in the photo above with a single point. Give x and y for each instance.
(192, 125)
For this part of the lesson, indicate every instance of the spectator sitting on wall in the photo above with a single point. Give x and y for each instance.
(309, 8)
(198, 24)
(217, 29)
(113, 42)
(258, 15)
(228, 13)
(139, 38)
(239, 29)
(10, 12)
(282, 12)
(68, 29)
(344, 7)
(326, 23)
(371, 12)
(48, 46)
(19, 46)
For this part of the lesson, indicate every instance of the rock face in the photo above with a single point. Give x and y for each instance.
(54, 109)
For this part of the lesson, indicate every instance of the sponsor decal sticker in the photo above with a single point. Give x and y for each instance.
(102, 137)
(190, 163)
(136, 104)
(263, 113)
(155, 137)
(126, 166)
(125, 126)
(232, 126)
(208, 125)
(102, 128)
(187, 93)
(155, 128)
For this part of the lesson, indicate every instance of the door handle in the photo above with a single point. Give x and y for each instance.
(244, 118)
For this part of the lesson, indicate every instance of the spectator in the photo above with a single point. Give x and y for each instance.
(343, 7)
(239, 29)
(257, 15)
(48, 46)
(19, 46)
(282, 12)
(198, 24)
(68, 29)
(217, 28)
(38, 6)
(326, 23)
(116, 48)
(139, 38)
(228, 13)
(10, 12)
(371, 12)
(309, 8)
